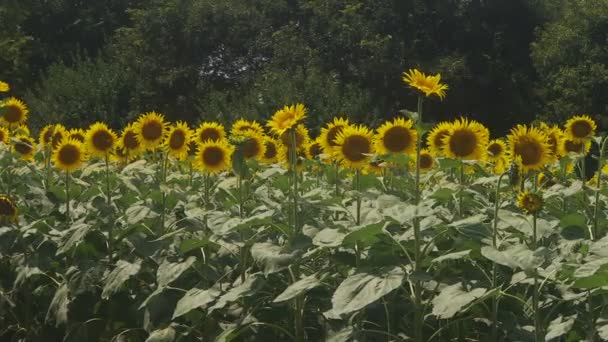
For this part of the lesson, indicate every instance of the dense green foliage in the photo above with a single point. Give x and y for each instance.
(506, 61)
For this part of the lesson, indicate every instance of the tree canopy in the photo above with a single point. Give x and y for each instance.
(506, 61)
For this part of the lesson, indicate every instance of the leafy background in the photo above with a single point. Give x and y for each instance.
(507, 61)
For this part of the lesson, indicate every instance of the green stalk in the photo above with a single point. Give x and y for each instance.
(494, 265)
(67, 195)
(461, 191)
(596, 211)
(109, 199)
(293, 156)
(190, 173)
(358, 214)
(418, 314)
(163, 170)
(538, 328)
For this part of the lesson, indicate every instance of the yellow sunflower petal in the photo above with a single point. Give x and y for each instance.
(354, 146)
(286, 118)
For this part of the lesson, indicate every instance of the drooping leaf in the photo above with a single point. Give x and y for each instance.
(364, 236)
(73, 236)
(195, 298)
(114, 280)
(299, 287)
(162, 335)
(242, 290)
(361, 289)
(328, 237)
(138, 212)
(559, 327)
(453, 256)
(518, 256)
(168, 271)
(271, 257)
(58, 309)
(454, 299)
(192, 244)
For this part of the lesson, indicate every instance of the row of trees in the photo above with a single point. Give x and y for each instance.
(506, 61)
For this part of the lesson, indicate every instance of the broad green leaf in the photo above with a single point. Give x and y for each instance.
(344, 335)
(365, 236)
(25, 273)
(575, 219)
(454, 299)
(559, 327)
(192, 244)
(73, 236)
(453, 256)
(123, 271)
(162, 335)
(138, 212)
(58, 309)
(518, 256)
(361, 289)
(242, 290)
(328, 237)
(598, 279)
(195, 298)
(271, 257)
(299, 287)
(168, 272)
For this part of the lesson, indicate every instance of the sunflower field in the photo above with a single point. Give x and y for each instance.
(260, 232)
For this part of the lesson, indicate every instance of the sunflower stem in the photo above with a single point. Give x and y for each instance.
(598, 185)
(293, 156)
(538, 328)
(163, 175)
(67, 196)
(494, 265)
(418, 314)
(109, 199)
(461, 191)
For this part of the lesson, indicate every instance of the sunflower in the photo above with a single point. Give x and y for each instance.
(329, 134)
(46, 135)
(374, 167)
(555, 137)
(77, 134)
(176, 143)
(580, 128)
(59, 132)
(302, 137)
(496, 153)
(529, 145)
(250, 144)
(69, 155)
(467, 140)
(128, 144)
(354, 146)
(434, 140)
(284, 155)
(4, 87)
(428, 85)
(313, 149)
(271, 147)
(24, 145)
(8, 209)
(241, 126)
(396, 137)
(213, 156)
(209, 131)
(100, 140)
(530, 202)
(15, 112)
(286, 118)
(151, 128)
(576, 147)
(427, 161)
(5, 136)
